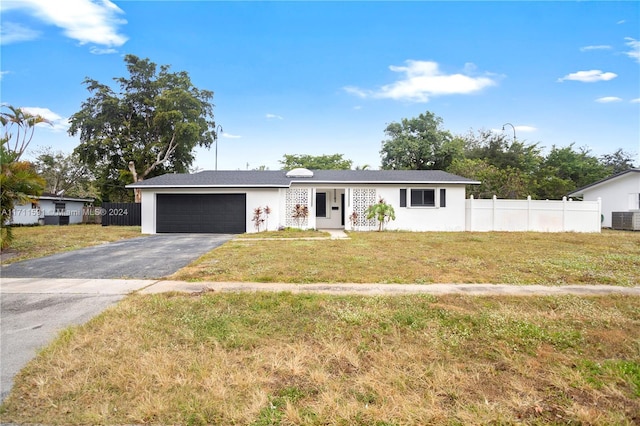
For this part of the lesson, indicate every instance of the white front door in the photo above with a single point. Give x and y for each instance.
(329, 208)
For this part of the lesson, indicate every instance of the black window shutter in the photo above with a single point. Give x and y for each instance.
(403, 198)
(443, 197)
(321, 204)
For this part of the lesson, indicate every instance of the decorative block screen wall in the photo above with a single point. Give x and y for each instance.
(362, 199)
(296, 196)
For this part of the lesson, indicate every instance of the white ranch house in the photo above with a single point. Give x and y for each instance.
(619, 193)
(50, 209)
(224, 201)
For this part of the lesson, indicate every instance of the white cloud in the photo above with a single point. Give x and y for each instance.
(622, 21)
(58, 123)
(597, 47)
(589, 76)
(273, 117)
(635, 101)
(634, 44)
(3, 73)
(526, 129)
(99, 51)
(12, 32)
(88, 21)
(422, 80)
(608, 99)
(230, 136)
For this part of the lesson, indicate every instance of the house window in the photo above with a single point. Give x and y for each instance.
(423, 197)
(60, 207)
(321, 204)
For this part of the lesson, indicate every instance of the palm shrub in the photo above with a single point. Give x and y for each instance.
(382, 211)
(19, 184)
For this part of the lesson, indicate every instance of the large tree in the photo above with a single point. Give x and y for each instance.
(576, 166)
(315, 162)
(502, 152)
(64, 172)
(419, 143)
(149, 125)
(618, 161)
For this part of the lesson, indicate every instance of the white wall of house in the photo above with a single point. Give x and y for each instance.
(31, 213)
(448, 217)
(256, 197)
(620, 194)
(532, 215)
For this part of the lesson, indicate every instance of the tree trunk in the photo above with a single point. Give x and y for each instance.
(137, 192)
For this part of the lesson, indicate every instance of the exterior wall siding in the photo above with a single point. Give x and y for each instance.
(618, 195)
(255, 198)
(24, 215)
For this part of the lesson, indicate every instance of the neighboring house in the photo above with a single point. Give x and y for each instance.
(50, 209)
(224, 201)
(619, 193)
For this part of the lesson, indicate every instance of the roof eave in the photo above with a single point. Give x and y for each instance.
(134, 186)
(392, 182)
(314, 182)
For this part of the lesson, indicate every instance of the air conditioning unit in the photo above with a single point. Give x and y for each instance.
(629, 221)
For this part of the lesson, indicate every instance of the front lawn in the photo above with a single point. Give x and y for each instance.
(283, 359)
(38, 241)
(612, 257)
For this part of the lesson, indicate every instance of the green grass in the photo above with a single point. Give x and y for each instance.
(279, 359)
(435, 257)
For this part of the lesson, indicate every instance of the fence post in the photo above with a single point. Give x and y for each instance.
(470, 214)
(529, 213)
(493, 212)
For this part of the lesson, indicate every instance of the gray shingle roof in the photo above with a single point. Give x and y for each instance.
(278, 178)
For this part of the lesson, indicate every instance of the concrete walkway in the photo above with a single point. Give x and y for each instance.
(124, 287)
(390, 289)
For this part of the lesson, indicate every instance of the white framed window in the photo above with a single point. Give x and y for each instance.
(423, 197)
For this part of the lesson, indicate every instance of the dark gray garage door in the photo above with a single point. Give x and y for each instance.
(201, 213)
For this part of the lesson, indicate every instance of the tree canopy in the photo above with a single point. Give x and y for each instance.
(507, 168)
(419, 144)
(316, 162)
(63, 172)
(149, 125)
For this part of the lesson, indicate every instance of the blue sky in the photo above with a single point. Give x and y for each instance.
(327, 77)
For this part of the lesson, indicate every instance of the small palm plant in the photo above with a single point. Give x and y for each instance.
(383, 213)
(257, 218)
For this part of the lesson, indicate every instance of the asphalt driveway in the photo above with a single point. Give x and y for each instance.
(149, 257)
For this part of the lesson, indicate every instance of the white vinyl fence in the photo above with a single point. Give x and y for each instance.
(533, 215)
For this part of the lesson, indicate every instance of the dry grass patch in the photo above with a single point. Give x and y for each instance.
(434, 257)
(38, 241)
(269, 359)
